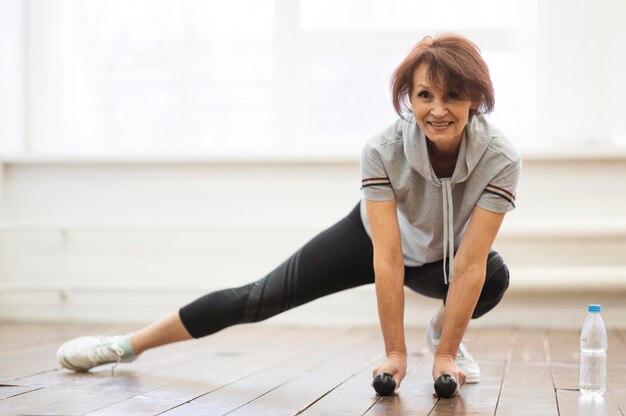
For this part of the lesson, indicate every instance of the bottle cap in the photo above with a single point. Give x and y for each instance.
(594, 308)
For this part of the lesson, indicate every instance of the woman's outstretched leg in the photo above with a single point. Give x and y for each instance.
(338, 258)
(84, 353)
(166, 330)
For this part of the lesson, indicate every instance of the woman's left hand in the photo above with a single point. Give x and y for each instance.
(444, 364)
(395, 365)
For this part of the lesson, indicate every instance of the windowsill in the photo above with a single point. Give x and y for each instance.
(575, 155)
(345, 157)
(182, 159)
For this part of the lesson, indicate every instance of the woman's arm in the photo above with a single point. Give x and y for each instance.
(389, 277)
(470, 263)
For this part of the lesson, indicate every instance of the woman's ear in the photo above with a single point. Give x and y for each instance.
(473, 108)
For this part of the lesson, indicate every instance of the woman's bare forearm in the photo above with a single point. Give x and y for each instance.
(461, 300)
(390, 298)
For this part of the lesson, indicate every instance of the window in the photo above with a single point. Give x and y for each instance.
(153, 77)
(296, 78)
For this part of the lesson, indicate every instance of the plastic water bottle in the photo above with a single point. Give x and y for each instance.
(593, 346)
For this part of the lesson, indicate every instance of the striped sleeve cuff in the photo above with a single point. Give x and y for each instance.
(502, 193)
(366, 183)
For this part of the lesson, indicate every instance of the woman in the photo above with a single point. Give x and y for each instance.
(436, 186)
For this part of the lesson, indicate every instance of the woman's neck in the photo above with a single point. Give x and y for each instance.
(443, 162)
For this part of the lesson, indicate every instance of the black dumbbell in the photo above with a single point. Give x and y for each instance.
(445, 386)
(384, 384)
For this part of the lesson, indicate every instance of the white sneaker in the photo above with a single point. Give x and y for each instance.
(432, 339)
(84, 353)
(463, 358)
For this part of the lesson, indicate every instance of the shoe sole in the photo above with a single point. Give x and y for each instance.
(473, 379)
(69, 366)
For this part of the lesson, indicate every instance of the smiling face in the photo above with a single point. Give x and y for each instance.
(442, 115)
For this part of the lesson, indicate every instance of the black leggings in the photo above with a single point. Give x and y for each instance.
(337, 259)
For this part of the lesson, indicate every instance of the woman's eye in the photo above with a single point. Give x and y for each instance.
(453, 95)
(423, 94)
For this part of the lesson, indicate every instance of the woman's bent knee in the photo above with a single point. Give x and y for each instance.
(215, 311)
(496, 284)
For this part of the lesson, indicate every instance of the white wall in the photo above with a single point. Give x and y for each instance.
(106, 241)
(129, 240)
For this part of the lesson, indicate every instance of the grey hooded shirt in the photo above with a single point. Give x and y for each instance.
(434, 212)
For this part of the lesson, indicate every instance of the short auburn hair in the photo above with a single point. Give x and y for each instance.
(454, 63)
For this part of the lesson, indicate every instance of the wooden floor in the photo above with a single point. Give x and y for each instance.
(266, 370)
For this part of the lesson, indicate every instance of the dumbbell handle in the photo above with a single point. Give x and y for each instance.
(384, 384)
(445, 386)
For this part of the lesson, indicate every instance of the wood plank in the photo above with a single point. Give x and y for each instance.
(7, 391)
(491, 349)
(415, 396)
(572, 403)
(65, 384)
(616, 369)
(565, 357)
(527, 388)
(541, 373)
(566, 376)
(617, 379)
(28, 354)
(490, 345)
(248, 395)
(31, 360)
(58, 375)
(476, 399)
(564, 347)
(616, 351)
(355, 396)
(531, 347)
(67, 392)
(211, 378)
(308, 387)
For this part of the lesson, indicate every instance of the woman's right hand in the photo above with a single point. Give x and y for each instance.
(395, 364)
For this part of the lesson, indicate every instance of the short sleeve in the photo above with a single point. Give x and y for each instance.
(375, 182)
(499, 195)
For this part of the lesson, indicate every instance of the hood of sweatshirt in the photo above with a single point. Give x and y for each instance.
(474, 143)
(475, 140)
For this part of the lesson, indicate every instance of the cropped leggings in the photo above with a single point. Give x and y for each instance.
(337, 259)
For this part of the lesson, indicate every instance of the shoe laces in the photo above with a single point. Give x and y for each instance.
(102, 352)
(462, 353)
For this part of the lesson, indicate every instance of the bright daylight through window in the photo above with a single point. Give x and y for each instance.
(286, 78)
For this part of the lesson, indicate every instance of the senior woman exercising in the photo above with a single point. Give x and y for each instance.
(436, 186)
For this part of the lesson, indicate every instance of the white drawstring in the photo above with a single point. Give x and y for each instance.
(448, 230)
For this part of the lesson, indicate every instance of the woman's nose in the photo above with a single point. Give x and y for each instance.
(438, 108)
